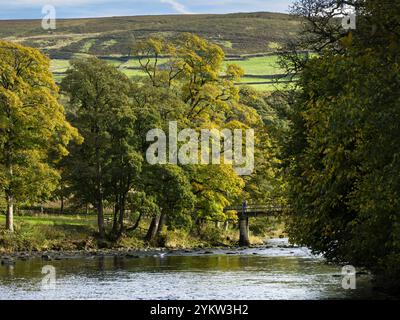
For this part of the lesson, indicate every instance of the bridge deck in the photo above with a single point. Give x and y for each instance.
(252, 211)
(257, 211)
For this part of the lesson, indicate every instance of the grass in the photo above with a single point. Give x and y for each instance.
(69, 233)
(54, 220)
(88, 45)
(133, 73)
(253, 79)
(270, 87)
(255, 69)
(266, 87)
(41, 233)
(238, 33)
(259, 65)
(59, 65)
(134, 63)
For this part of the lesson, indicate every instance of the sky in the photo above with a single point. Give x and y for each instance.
(32, 9)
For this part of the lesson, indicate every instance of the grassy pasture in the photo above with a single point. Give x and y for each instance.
(257, 69)
(267, 65)
(272, 87)
(240, 35)
(51, 220)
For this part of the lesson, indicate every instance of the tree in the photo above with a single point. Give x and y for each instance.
(142, 205)
(267, 184)
(100, 108)
(200, 95)
(125, 163)
(343, 145)
(215, 188)
(194, 73)
(169, 185)
(34, 132)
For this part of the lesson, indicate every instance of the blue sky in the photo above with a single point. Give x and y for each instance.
(32, 9)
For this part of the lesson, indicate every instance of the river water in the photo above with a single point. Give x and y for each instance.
(278, 272)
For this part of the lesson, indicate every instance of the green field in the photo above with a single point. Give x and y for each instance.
(243, 37)
(54, 220)
(267, 65)
(257, 69)
(271, 87)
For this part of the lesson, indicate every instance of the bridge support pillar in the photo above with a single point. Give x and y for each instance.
(244, 240)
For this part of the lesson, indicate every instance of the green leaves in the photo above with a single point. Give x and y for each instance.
(104, 115)
(192, 89)
(171, 188)
(344, 146)
(34, 133)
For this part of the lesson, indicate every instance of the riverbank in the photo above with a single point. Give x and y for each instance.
(12, 258)
(37, 235)
(134, 253)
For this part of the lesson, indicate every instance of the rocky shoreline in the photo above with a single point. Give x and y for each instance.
(64, 255)
(11, 258)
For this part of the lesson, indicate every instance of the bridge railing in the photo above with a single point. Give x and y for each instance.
(256, 208)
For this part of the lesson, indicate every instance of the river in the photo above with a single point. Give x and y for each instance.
(276, 272)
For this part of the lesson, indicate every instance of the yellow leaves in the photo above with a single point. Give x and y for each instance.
(28, 101)
(203, 57)
(193, 70)
(347, 41)
(232, 215)
(156, 45)
(151, 46)
(234, 72)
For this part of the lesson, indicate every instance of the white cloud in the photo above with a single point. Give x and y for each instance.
(177, 6)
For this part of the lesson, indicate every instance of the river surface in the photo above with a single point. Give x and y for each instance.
(277, 272)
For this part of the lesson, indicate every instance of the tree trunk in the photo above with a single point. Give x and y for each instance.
(136, 225)
(121, 215)
(100, 219)
(217, 225)
(162, 222)
(199, 225)
(152, 229)
(10, 200)
(62, 204)
(100, 208)
(226, 225)
(115, 218)
(10, 212)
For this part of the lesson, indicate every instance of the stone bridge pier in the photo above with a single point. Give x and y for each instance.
(252, 211)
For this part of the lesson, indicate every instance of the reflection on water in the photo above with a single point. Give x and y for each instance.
(268, 273)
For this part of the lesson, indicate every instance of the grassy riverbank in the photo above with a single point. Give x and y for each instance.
(75, 232)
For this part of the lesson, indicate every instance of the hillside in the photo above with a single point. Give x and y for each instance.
(241, 33)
